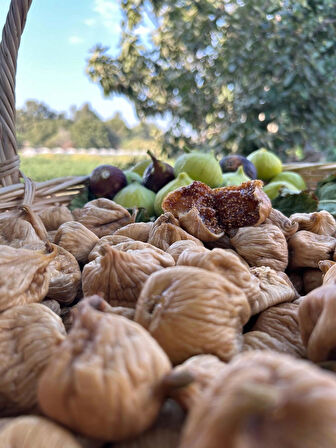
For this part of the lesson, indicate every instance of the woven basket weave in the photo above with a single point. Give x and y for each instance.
(57, 191)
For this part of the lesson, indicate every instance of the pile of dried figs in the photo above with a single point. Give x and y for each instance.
(210, 327)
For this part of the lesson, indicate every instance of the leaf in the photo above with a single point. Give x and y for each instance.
(329, 205)
(289, 202)
(326, 189)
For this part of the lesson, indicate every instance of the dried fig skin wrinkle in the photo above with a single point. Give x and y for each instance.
(138, 231)
(101, 383)
(36, 432)
(312, 279)
(317, 313)
(263, 245)
(219, 210)
(76, 239)
(281, 322)
(307, 249)
(264, 399)
(54, 217)
(166, 231)
(203, 368)
(119, 274)
(191, 311)
(285, 224)
(177, 248)
(103, 216)
(29, 335)
(23, 276)
(321, 223)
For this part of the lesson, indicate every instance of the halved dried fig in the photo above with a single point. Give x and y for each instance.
(274, 288)
(138, 231)
(264, 399)
(23, 276)
(282, 323)
(203, 368)
(166, 231)
(76, 239)
(207, 213)
(65, 277)
(102, 216)
(317, 313)
(53, 217)
(322, 223)
(224, 262)
(36, 432)
(306, 249)
(29, 335)
(106, 379)
(263, 245)
(285, 224)
(192, 311)
(118, 272)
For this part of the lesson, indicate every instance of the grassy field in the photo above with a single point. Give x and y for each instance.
(48, 166)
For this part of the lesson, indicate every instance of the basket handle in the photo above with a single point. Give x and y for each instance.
(9, 46)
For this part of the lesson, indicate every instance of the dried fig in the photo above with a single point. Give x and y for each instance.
(203, 368)
(18, 233)
(76, 239)
(36, 432)
(282, 323)
(138, 231)
(306, 249)
(258, 340)
(312, 278)
(29, 335)
(176, 249)
(263, 245)
(166, 231)
(317, 313)
(102, 216)
(53, 217)
(119, 273)
(191, 311)
(274, 288)
(101, 382)
(53, 305)
(285, 224)
(23, 276)
(65, 277)
(112, 240)
(264, 399)
(322, 223)
(227, 264)
(165, 433)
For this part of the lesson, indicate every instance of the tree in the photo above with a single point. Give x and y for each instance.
(118, 126)
(231, 75)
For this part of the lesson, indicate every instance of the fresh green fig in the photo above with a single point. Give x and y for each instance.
(236, 178)
(157, 174)
(200, 166)
(181, 180)
(273, 188)
(131, 176)
(136, 195)
(268, 164)
(106, 181)
(140, 167)
(291, 177)
(232, 162)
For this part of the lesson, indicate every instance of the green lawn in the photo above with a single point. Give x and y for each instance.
(49, 166)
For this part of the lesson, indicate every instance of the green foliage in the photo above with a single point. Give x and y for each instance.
(37, 125)
(232, 75)
(288, 202)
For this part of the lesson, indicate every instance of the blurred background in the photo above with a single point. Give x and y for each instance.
(131, 75)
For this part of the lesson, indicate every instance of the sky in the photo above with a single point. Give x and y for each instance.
(55, 47)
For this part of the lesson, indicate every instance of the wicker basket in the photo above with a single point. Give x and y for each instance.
(57, 191)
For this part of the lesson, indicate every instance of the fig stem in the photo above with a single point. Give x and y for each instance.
(152, 156)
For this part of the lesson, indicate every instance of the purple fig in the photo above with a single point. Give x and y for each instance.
(233, 162)
(157, 174)
(106, 181)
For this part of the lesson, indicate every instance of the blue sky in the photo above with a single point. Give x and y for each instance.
(54, 48)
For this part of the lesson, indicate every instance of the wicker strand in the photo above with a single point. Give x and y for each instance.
(9, 46)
